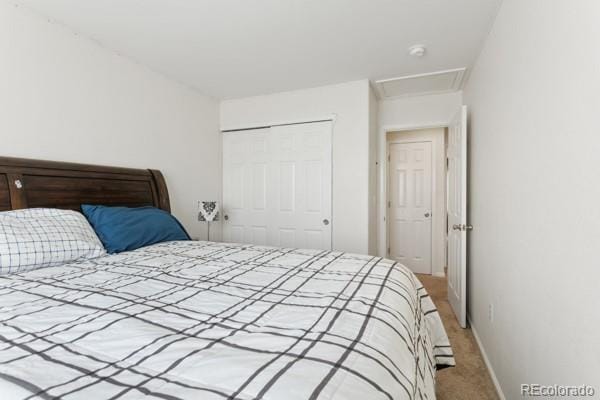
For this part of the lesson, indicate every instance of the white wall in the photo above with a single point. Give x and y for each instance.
(534, 96)
(65, 98)
(407, 114)
(350, 103)
(411, 112)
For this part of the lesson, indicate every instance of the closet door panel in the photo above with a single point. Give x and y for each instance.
(277, 186)
(302, 155)
(246, 186)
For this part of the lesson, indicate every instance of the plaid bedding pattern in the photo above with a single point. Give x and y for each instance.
(200, 320)
(43, 237)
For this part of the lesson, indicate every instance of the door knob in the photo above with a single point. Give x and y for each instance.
(226, 217)
(326, 222)
(427, 215)
(462, 227)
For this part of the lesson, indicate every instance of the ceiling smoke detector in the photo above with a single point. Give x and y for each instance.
(418, 50)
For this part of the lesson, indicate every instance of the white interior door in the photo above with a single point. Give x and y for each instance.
(246, 158)
(457, 216)
(302, 180)
(277, 186)
(410, 169)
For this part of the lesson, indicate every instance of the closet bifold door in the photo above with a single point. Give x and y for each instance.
(277, 186)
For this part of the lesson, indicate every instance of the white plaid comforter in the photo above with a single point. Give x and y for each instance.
(199, 320)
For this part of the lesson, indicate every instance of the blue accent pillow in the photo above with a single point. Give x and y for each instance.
(123, 228)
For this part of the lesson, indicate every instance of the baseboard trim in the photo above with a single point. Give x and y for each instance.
(439, 274)
(487, 361)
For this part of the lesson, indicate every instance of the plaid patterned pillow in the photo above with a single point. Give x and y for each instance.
(44, 237)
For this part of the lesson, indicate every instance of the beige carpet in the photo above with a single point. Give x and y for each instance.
(470, 379)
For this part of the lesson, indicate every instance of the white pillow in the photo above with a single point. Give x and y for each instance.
(43, 237)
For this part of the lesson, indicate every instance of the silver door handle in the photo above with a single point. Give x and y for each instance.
(226, 217)
(462, 227)
(325, 221)
(427, 215)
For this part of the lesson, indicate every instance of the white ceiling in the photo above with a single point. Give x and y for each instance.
(237, 48)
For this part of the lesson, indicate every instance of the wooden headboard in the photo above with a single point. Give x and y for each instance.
(28, 183)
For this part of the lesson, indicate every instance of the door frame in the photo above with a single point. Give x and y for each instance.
(434, 202)
(440, 249)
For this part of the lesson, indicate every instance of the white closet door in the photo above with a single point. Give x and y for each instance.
(277, 186)
(246, 158)
(302, 181)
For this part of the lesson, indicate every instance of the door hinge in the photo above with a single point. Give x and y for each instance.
(388, 157)
(388, 250)
(389, 204)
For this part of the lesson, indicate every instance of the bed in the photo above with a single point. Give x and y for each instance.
(205, 320)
